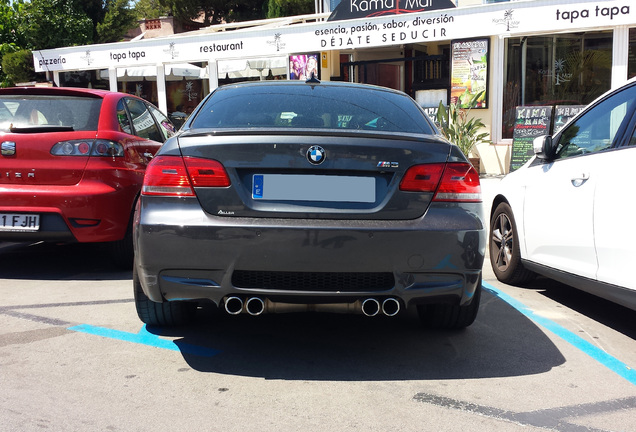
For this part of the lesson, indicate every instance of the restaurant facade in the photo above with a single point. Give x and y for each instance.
(493, 58)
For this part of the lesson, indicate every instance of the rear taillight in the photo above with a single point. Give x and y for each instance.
(88, 147)
(454, 182)
(422, 178)
(177, 176)
(206, 172)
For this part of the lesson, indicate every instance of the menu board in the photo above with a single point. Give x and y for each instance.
(563, 114)
(531, 122)
(469, 73)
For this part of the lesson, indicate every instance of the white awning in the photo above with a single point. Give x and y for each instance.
(174, 72)
(256, 67)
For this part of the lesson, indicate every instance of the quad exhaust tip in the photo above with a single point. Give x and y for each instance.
(390, 307)
(233, 305)
(256, 306)
(370, 307)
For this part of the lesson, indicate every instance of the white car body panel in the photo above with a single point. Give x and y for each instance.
(575, 215)
(614, 222)
(558, 216)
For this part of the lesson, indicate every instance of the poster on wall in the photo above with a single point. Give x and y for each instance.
(531, 122)
(302, 66)
(469, 72)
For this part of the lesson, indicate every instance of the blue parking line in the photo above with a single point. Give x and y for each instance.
(573, 339)
(144, 337)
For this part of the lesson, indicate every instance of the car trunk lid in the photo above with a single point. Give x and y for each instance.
(27, 159)
(315, 175)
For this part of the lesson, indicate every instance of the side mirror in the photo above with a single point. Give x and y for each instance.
(543, 147)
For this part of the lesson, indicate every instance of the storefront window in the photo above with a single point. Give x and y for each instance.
(631, 67)
(142, 88)
(563, 69)
(184, 88)
(83, 79)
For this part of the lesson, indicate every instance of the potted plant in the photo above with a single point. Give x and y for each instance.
(459, 129)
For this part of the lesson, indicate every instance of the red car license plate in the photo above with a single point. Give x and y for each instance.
(19, 222)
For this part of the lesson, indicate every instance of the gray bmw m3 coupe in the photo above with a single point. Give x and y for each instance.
(281, 195)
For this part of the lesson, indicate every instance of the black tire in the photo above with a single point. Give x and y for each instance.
(166, 314)
(122, 252)
(450, 316)
(505, 257)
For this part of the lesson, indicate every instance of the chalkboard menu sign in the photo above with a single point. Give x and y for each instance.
(563, 113)
(531, 122)
(432, 114)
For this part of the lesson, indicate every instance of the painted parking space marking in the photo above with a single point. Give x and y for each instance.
(144, 337)
(573, 339)
(556, 418)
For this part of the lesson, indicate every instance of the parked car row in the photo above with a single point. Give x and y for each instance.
(278, 196)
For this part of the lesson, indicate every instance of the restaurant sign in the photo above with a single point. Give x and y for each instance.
(351, 9)
(374, 31)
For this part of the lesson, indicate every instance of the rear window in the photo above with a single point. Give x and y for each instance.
(305, 106)
(80, 113)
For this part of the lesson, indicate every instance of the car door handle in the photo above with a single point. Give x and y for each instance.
(580, 180)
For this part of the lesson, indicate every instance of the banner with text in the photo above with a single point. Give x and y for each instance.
(420, 27)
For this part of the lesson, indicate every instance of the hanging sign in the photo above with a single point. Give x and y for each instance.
(350, 9)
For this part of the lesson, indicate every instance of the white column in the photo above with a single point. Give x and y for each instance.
(497, 88)
(213, 75)
(620, 53)
(56, 78)
(162, 98)
(112, 79)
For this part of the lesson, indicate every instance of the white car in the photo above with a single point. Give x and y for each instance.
(566, 213)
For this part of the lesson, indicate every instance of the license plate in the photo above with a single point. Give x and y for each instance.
(19, 222)
(324, 188)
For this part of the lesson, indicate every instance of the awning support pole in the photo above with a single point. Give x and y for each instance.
(162, 98)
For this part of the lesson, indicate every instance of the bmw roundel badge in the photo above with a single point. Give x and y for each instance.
(316, 155)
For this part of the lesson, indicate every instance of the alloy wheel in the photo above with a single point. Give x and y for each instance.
(502, 241)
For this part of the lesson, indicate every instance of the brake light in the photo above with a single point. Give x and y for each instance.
(452, 182)
(88, 147)
(422, 178)
(177, 176)
(206, 173)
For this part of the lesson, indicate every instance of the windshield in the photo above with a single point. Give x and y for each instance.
(28, 111)
(305, 106)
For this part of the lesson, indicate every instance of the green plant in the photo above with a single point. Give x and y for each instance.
(459, 129)
(18, 66)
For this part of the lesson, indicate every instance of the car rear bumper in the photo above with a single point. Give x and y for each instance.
(87, 212)
(193, 255)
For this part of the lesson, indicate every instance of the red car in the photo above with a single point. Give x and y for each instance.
(72, 163)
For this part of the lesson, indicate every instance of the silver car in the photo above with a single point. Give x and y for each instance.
(280, 195)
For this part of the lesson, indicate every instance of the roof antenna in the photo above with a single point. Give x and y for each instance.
(313, 79)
